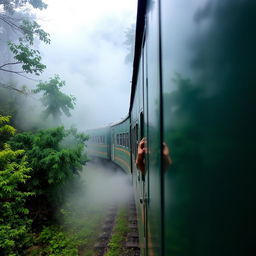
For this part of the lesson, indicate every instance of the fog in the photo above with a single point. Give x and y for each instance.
(100, 187)
(87, 50)
(102, 184)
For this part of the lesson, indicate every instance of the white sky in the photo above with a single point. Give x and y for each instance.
(87, 51)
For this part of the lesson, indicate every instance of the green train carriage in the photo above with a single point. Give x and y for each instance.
(99, 142)
(193, 99)
(120, 144)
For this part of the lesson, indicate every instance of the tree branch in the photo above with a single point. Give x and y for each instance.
(9, 87)
(6, 19)
(11, 71)
(11, 63)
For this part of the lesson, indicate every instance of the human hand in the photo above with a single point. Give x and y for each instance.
(140, 161)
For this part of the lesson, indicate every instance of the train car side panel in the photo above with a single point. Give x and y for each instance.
(153, 127)
(99, 143)
(120, 144)
(137, 133)
(208, 60)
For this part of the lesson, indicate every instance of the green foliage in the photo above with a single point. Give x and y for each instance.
(14, 173)
(24, 56)
(11, 5)
(6, 131)
(29, 58)
(52, 160)
(54, 100)
(57, 242)
(31, 29)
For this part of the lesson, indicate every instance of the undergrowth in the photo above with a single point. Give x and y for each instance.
(120, 230)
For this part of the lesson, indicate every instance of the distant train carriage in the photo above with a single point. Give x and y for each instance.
(99, 142)
(120, 144)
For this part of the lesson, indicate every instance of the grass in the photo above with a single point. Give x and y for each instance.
(76, 236)
(120, 230)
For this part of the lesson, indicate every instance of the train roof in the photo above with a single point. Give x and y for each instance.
(119, 122)
(140, 24)
(109, 125)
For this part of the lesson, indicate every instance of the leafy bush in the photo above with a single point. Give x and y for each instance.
(57, 243)
(54, 155)
(14, 173)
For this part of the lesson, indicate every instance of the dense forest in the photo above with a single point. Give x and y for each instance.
(40, 158)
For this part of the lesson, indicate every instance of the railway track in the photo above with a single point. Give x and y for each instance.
(129, 245)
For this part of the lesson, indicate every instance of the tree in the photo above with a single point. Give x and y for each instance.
(54, 100)
(22, 30)
(25, 57)
(14, 173)
(129, 42)
(11, 5)
(54, 155)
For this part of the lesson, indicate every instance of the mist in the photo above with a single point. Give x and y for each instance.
(100, 187)
(87, 50)
(101, 184)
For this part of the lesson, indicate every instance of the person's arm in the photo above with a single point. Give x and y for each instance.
(140, 160)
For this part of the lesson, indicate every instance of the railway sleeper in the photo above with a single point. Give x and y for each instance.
(133, 234)
(133, 252)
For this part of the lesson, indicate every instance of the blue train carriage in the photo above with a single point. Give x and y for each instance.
(99, 142)
(120, 144)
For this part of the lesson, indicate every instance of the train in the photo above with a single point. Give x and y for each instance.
(193, 100)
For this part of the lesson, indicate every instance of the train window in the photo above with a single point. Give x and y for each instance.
(121, 140)
(117, 139)
(125, 140)
(136, 138)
